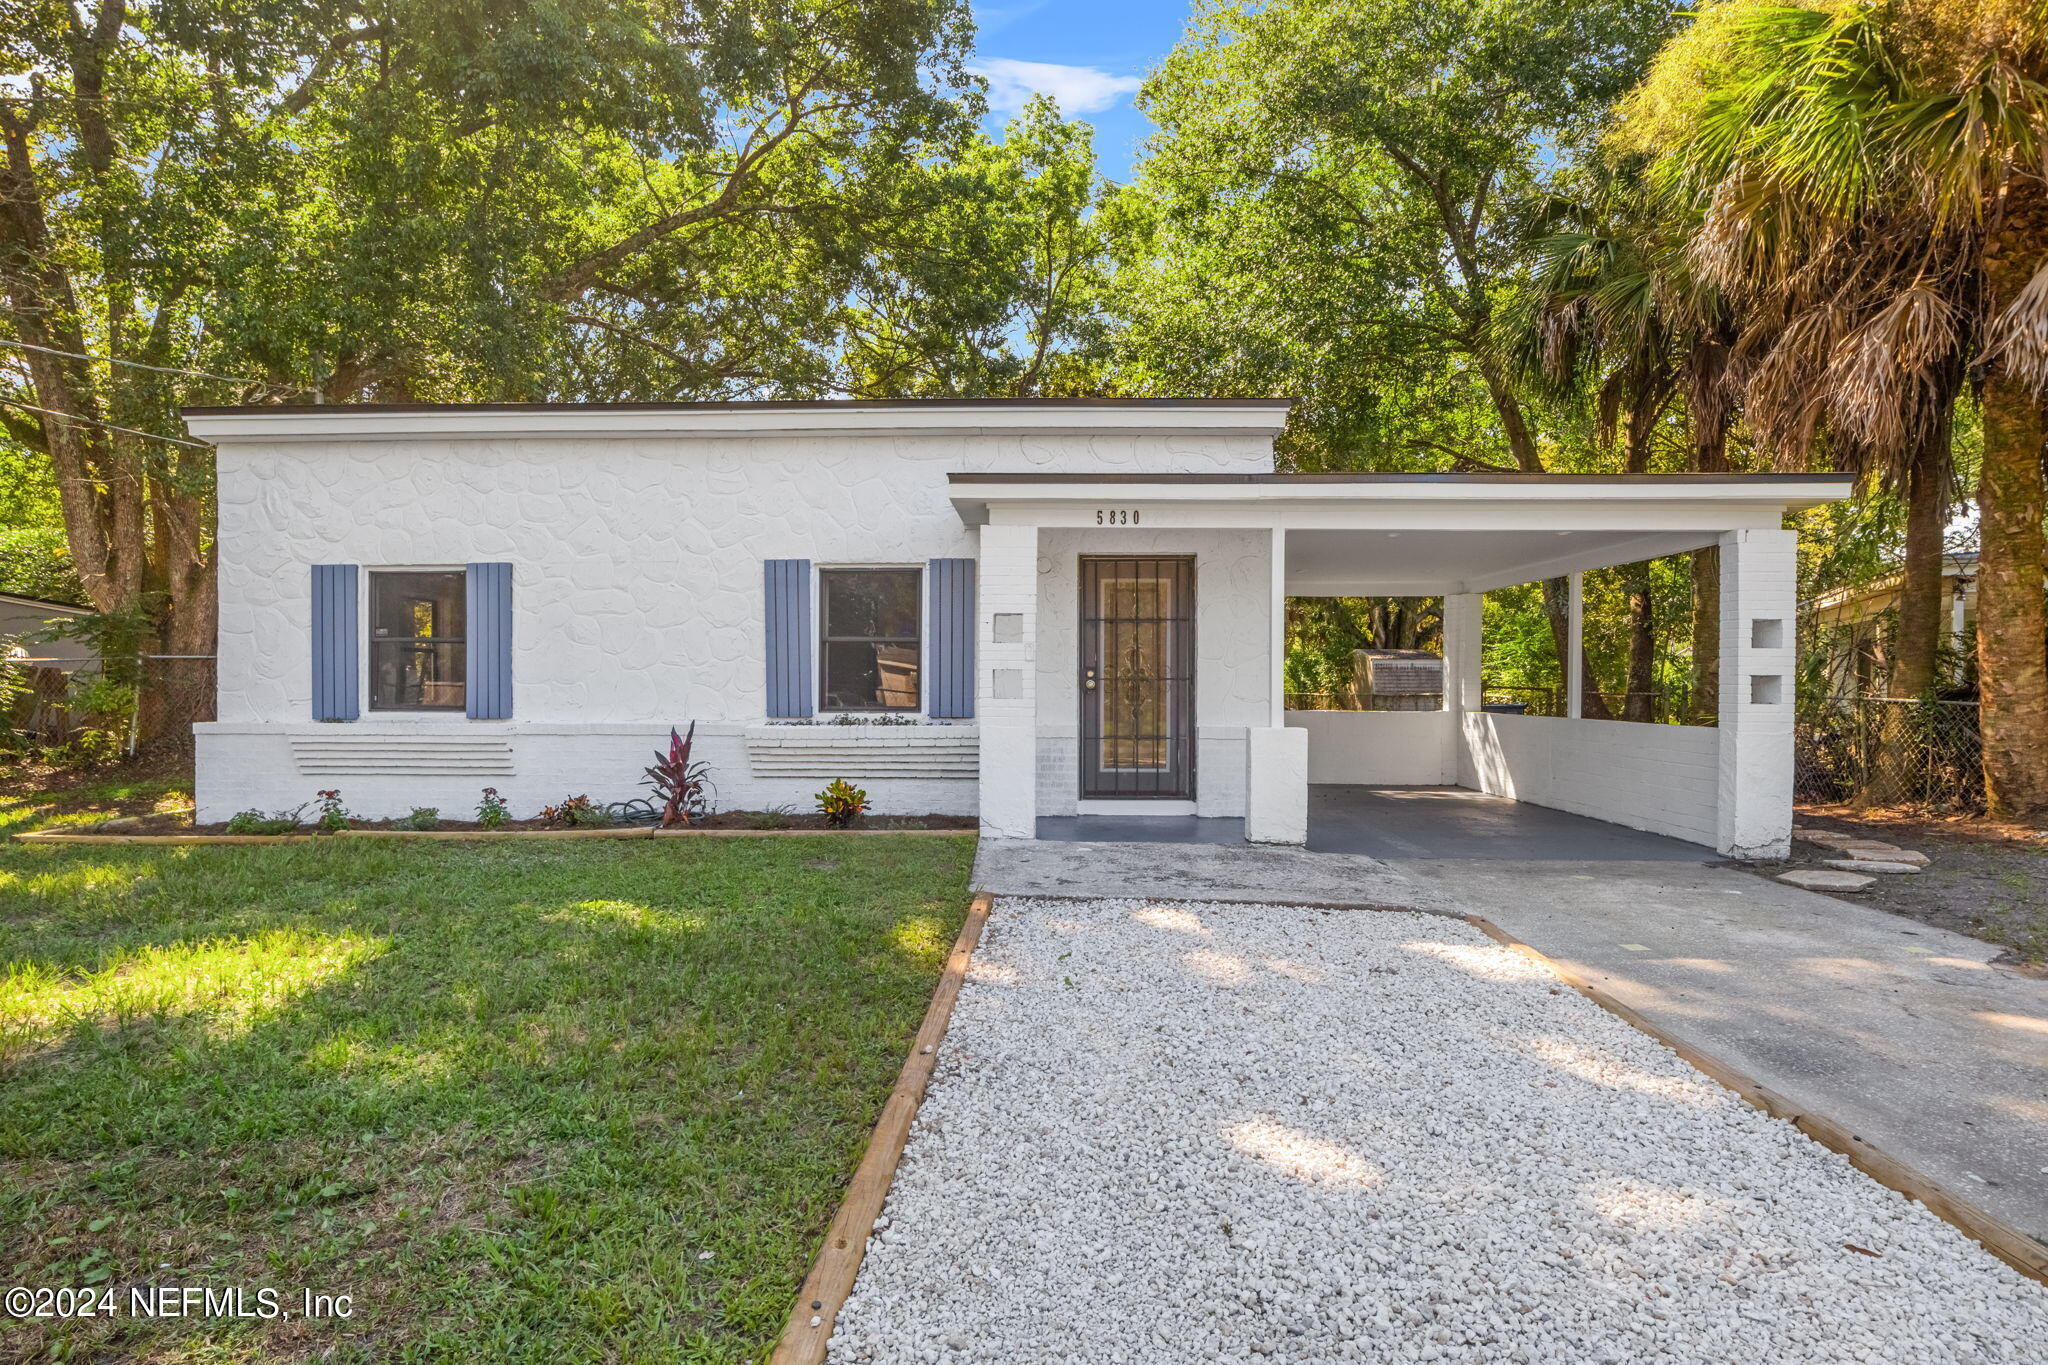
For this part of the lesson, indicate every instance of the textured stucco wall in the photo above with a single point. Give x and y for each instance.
(637, 591)
(637, 562)
(1233, 651)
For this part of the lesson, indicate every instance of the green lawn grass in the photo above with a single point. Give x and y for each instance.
(549, 1101)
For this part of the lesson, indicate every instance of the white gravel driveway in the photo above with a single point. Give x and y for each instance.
(1183, 1133)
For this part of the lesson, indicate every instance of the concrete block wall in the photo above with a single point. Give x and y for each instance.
(1660, 778)
(1380, 748)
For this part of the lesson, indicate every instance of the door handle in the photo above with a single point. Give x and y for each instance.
(1088, 679)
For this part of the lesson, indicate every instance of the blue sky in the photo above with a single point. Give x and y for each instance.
(1089, 54)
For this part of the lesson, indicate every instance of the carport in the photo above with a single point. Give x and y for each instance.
(1250, 541)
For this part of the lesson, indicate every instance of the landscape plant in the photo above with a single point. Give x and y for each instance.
(422, 817)
(253, 821)
(575, 812)
(333, 817)
(680, 781)
(490, 809)
(841, 803)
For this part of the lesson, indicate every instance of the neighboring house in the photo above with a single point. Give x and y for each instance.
(27, 623)
(1853, 624)
(1079, 604)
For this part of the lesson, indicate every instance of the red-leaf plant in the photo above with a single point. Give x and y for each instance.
(681, 783)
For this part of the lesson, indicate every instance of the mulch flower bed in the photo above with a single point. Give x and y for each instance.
(724, 820)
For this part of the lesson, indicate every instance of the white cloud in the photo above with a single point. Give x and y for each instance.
(1078, 89)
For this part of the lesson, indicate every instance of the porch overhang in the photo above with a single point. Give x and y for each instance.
(1415, 534)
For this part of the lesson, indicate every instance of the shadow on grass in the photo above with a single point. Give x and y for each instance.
(522, 1102)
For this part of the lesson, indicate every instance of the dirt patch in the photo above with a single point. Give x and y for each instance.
(1987, 880)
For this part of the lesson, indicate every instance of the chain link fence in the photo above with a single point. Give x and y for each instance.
(62, 710)
(1885, 751)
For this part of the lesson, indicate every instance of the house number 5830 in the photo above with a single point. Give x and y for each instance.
(1116, 516)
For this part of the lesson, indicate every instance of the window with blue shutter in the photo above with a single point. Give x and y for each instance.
(336, 693)
(490, 642)
(787, 585)
(949, 635)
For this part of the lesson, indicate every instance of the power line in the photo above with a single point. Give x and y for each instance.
(132, 364)
(91, 422)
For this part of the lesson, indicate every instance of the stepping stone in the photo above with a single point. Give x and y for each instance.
(1884, 853)
(1880, 867)
(1814, 879)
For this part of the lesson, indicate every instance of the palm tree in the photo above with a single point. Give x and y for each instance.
(1870, 191)
(1609, 306)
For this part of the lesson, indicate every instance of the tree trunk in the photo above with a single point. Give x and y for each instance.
(1637, 703)
(1920, 625)
(1710, 418)
(1514, 424)
(2012, 617)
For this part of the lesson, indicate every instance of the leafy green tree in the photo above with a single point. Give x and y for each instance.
(1340, 194)
(416, 200)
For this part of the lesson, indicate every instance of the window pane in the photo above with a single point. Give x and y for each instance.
(861, 675)
(870, 603)
(417, 606)
(405, 674)
(418, 659)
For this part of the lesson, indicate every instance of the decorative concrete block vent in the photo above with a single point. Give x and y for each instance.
(905, 751)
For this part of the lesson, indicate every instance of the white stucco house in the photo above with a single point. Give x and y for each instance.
(1076, 604)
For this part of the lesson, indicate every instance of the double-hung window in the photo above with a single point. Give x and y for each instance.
(418, 640)
(869, 639)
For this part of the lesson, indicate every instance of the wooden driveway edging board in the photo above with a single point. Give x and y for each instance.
(634, 832)
(1994, 1234)
(831, 1278)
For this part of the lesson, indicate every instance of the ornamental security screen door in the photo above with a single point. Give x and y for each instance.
(1138, 678)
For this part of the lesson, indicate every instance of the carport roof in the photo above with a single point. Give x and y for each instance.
(1412, 534)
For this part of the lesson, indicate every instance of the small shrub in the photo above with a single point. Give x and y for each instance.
(422, 817)
(776, 817)
(490, 812)
(89, 749)
(256, 822)
(679, 781)
(575, 812)
(841, 803)
(333, 815)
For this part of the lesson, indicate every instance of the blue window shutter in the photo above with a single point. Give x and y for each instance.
(335, 674)
(788, 585)
(489, 684)
(949, 639)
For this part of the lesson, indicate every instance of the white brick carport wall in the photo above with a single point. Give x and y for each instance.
(637, 586)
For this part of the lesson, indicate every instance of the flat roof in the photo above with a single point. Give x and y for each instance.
(278, 425)
(743, 404)
(1515, 477)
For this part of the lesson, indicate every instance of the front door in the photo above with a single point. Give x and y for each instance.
(1138, 678)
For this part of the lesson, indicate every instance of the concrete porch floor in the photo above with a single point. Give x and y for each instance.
(1912, 1036)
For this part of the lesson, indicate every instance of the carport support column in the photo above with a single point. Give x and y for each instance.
(1759, 602)
(1464, 691)
(1006, 691)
